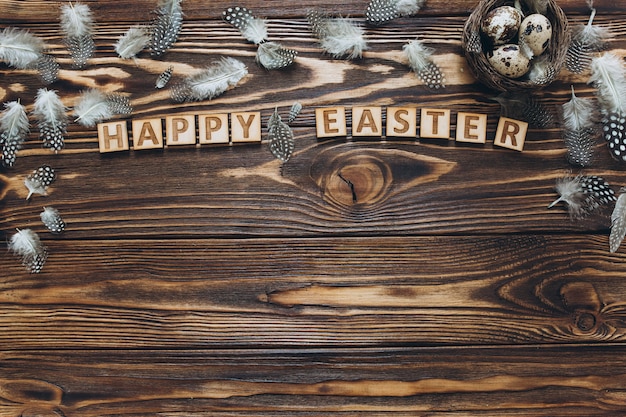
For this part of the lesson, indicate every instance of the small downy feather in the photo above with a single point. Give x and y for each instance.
(210, 82)
(14, 129)
(77, 25)
(281, 141)
(27, 245)
(51, 218)
(164, 78)
(420, 61)
(524, 106)
(252, 28)
(19, 48)
(586, 40)
(38, 181)
(166, 27)
(295, 110)
(608, 75)
(379, 12)
(132, 42)
(94, 106)
(542, 72)
(583, 194)
(618, 222)
(579, 113)
(579, 129)
(51, 119)
(271, 55)
(338, 36)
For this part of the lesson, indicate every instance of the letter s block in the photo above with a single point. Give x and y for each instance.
(113, 136)
(402, 122)
(511, 134)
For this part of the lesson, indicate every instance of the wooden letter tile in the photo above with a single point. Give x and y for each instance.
(180, 130)
(213, 128)
(113, 136)
(402, 122)
(246, 127)
(147, 134)
(471, 127)
(330, 122)
(435, 124)
(367, 121)
(511, 134)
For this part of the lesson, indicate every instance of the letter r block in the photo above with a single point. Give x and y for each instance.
(471, 127)
(511, 134)
(330, 122)
(113, 136)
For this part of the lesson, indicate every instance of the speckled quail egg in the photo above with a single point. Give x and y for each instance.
(501, 24)
(508, 60)
(536, 32)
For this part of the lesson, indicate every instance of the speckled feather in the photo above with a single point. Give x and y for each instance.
(38, 181)
(280, 135)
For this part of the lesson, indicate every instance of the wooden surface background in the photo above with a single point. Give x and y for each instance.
(202, 282)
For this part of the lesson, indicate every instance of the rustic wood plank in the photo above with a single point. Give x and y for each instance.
(317, 292)
(563, 381)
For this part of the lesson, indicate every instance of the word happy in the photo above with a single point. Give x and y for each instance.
(245, 127)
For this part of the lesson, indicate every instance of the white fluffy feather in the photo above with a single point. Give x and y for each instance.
(76, 20)
(338, 36)
(408, 7)
(49, 108)
(25, 243)
(14, 120)
(255, 30)
(578, 113)
(132, 42)
(418, 54)
(593, 36)
(212, 81)
(19, 48)
(618, 222)
(608, 75)
(92, 107)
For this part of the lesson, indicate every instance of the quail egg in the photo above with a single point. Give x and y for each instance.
(509, 60)
(536, 32)
(501, 24)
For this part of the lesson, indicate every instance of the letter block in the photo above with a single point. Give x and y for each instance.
(402, 122)
(367, 121)
(330, 122)
(435, 124)
(180, 130)
(147, 134)
(511, 134)
(213, 128)
(471, 127)
(113, 136)
(245, 127)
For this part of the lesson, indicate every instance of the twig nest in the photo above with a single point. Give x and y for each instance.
(502, 24)
(509, 60)
(536, 31)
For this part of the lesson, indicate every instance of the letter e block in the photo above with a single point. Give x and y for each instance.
(213, 128)
(147, 134)
(435, 124)
(113, 136)
(471, 127)
(367, 121)
(180, 130)
(511, 134)
(246, 127)
(402, 122)
(330, 122)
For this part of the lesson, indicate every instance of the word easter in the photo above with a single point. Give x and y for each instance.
(242, 127)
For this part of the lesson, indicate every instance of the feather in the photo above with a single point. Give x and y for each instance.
(38, 181)
(281, 141)
(295, 110)
(608, 75)
(164, 78)
(252, 28)
(51, 119)
(614, 132)
(583, 194)
(132, 42)
(379, 12)
(94, 106)
(51, 218)
(27, 245)
(338, 36)
(77, 25)
(14, 128)
(537, 6)
(586, 40)
(272, 55)
(211, 82)
(19, 48)
(618, 222)
(579, 113)
(542, 72)
(524, 106)
(421, 62)
(166, 27)
(579, 129)
(48, 68)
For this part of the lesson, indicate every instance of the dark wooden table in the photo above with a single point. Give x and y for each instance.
(197, 281)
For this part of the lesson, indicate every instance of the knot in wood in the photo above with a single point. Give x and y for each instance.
(358, 179)
(585, 322)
